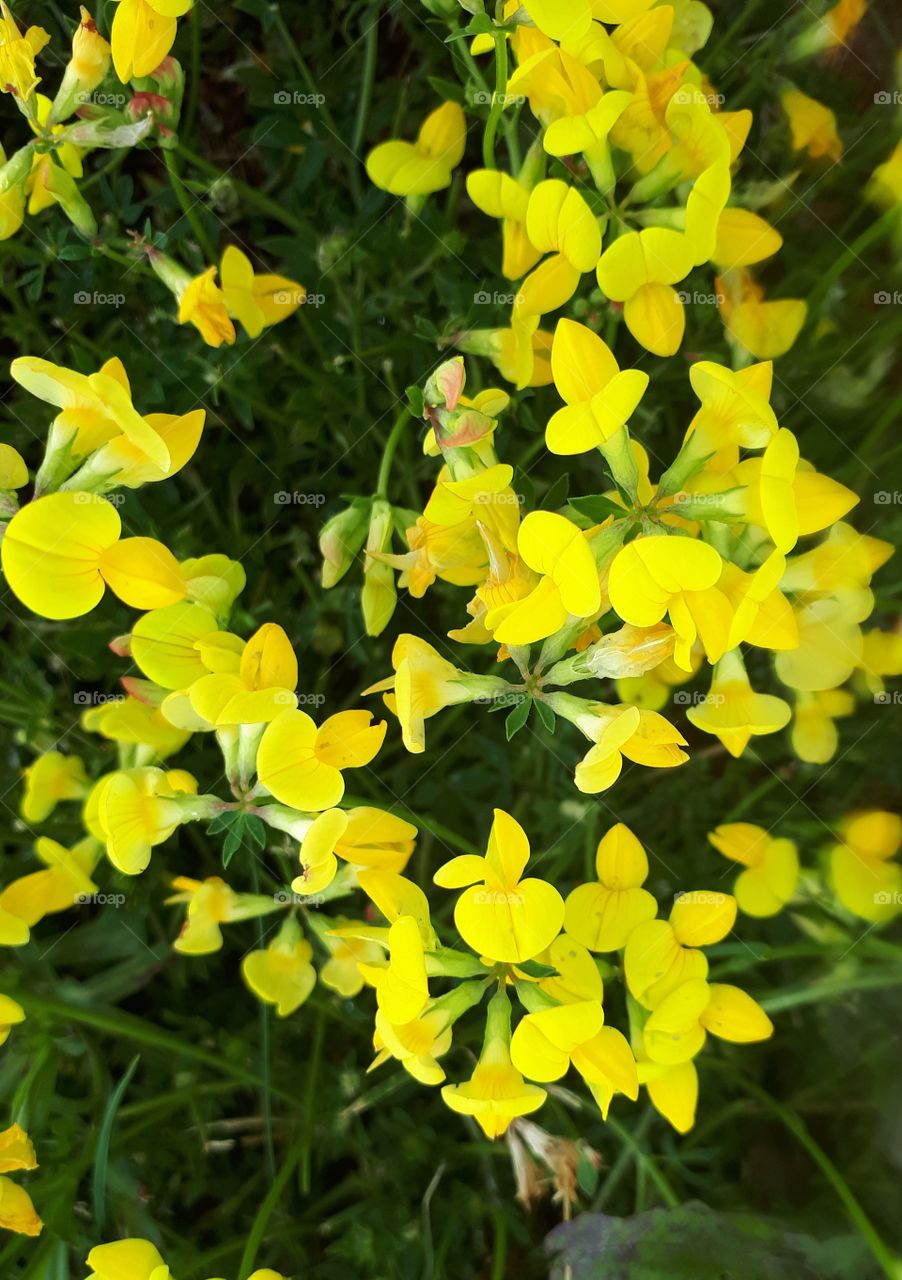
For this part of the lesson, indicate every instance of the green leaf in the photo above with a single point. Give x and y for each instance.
(534, 969)
(517, 718)
(596, 507)
(415, 401)
(556, 496)
(545, 714)
(102, 1153)
(693, 1242)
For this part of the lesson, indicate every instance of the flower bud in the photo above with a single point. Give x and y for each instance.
(340, 540)
(379, 597)
(85, 70)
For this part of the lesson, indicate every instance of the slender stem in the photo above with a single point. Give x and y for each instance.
(188, 207)
(890, 1264)
(265, 1057)
(366, 85)
(388, 453)
(491, 128)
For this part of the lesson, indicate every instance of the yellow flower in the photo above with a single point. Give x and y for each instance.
(672, 1090)
(374, 838)
(85, 70)
(617, 732)
(341, 972)
(65, 881)
(454, 553)
(546, 1043)
(657, 575)
(600, 398)
(771, 866)
(423, 684)
(282, 974)
(17, 1213)
(561, 224)
(301, 764)
(419, 1043)
(51, 778)
(812, 124)
(17, 55)
(501, 196)
(601, 916)
(143, 34)
(127, 1260)
(556, 549)
(134, 723)
(742, 239)
(61, 551)
(257, 301)
(765, 329)
(864, 878)
(661, 955)
(422, 167)
(677, 1029)
(639, 270)
(203, 304)
(94, 409)
(11, 1014)
(211, 904)
(496, 1093)
(503, 916)
(138, 809)
(733, 711)
(815, 737)
(402, 988)
(250, 683)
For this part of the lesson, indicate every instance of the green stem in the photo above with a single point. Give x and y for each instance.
(188, 207)
(366, 86)
(890, 1264)
(388, 453)
(264, 1213)
(491, 128)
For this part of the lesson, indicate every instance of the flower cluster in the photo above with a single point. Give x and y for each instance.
(528, 942)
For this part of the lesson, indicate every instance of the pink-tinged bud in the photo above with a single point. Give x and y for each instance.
(446, 385)
(121, 646)
(143, 690)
